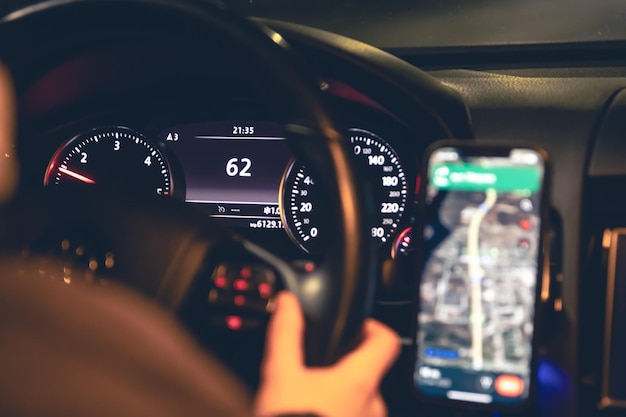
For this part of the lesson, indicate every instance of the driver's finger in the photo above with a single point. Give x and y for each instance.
(285, 333)
(8, 163)
(377, 407)
(375, 355)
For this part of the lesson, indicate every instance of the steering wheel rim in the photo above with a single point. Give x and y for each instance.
(335, 311)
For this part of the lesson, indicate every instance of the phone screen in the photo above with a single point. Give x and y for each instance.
(479, 273)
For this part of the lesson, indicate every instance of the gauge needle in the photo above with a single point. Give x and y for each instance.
(76, 175)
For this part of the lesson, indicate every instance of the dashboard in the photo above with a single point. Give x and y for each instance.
(219, 150)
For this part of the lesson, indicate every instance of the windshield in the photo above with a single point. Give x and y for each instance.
(435, 23)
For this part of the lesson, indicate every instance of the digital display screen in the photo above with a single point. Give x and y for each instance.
(478, 284)
(232, 169)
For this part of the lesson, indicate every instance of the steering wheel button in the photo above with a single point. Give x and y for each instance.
(234, 322)
(220, 281)
(241, 285)
(239, 300)
(265, 290)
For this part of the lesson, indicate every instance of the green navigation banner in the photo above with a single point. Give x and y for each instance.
(475, 177)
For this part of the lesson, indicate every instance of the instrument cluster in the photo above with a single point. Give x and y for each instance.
(240, 172)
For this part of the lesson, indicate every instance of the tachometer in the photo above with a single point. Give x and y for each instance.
(303, 205)
(112, 157)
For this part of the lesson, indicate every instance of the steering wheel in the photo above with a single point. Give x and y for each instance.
(164, 248)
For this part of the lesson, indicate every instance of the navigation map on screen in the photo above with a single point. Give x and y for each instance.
(478, 282)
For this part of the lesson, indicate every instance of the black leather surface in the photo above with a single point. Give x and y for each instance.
(609, 152)
(405, 90)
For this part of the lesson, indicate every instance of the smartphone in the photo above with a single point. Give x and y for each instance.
(483, 216)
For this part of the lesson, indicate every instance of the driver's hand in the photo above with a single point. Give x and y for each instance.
(350, 388)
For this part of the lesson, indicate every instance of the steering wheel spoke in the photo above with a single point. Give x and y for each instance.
(234, 293)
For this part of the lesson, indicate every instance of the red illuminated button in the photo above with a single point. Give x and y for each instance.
(265, 289)
(220, 281)
(241, 285)
(509, 386)
(234, 322)
(245, 273)
(525, 224)
(239, 300)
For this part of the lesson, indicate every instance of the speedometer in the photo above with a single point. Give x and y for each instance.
(303, 205)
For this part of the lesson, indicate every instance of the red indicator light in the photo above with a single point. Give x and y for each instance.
(245, 273)
(525, 224)
(240, 300)
(241, 285)
(234, 322)
(220, 282)
(309, 267)
(509, 386)
(265, 289)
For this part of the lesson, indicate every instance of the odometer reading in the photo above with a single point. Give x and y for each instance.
(303, 204)
(266, 224)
